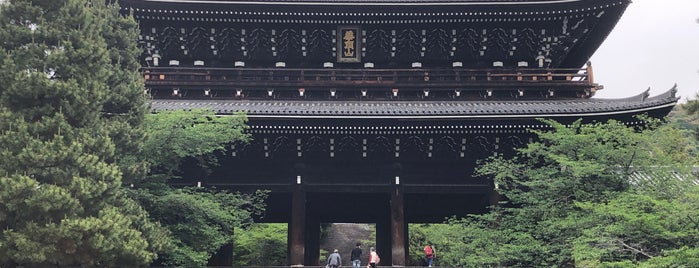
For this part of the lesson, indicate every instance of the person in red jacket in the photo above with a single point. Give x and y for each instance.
(429, 254)
(373, 258)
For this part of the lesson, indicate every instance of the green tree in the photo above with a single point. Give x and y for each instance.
(653, 224)
(125, 104)
(61, 200)
(641, 229)
(692, 106)
(201, 220)
(173, 136)
(561, 192)
(261, 245)
(441, 237)
(571, 163)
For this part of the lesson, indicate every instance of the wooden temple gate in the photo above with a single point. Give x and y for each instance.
(377, 111)
(370, 174)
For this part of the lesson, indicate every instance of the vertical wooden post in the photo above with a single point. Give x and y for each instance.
(383, 240)
(296, 229)
(591, 78)
(312, 257)
(398, 228)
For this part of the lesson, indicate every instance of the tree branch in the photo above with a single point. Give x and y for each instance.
(635, 249)
(628, 166)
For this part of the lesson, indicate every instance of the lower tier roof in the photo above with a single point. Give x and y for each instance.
(553, 108)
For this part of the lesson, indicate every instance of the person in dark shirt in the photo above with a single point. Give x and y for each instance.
(356, 255)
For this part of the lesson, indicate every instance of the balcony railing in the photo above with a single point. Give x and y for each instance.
(573, 81)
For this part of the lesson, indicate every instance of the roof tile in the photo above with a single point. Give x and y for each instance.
(417, 109)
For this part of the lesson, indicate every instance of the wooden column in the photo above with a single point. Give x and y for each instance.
(383, 239)
(399, 228)
(312, 257)
(296, 229)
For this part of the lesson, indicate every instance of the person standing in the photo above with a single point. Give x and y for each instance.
(373, 258)
(334, 260)
(355, 256)
(429, 254)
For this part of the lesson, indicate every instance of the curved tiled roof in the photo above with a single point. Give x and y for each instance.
(426, 109)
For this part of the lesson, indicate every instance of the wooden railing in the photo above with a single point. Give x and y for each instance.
(363, 78)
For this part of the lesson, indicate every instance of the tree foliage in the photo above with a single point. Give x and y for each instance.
(200, 220)
(440, 236)
(176, 135)
(692, 106)
(63, 133)
(591, 195)
(640, 229)
(74, 131)
(261, 245)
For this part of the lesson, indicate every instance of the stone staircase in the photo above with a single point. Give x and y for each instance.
(344, 237)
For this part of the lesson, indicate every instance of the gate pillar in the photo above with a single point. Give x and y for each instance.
(312, 238)
(399, 229)
(297, 227)
(383, 238)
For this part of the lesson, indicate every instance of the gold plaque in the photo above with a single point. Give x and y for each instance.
(349, 45)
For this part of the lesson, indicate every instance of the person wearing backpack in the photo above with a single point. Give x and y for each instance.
(429, 254)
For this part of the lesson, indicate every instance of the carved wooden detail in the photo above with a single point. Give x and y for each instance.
(312, 45)
(229, 43)
(378, 45)
(446, 147)
(320, 45)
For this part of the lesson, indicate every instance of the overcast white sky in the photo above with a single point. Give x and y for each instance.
(655, 44)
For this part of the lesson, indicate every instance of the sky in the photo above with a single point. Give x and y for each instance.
(656, 45)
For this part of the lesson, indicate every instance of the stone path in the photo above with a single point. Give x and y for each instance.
(344, 237)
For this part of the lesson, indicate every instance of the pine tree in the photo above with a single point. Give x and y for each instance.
(70, 107)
